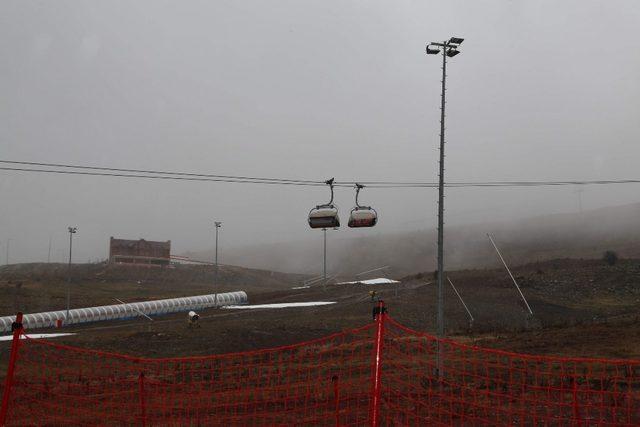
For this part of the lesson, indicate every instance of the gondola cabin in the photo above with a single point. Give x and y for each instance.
(363, 217)
(324, 217)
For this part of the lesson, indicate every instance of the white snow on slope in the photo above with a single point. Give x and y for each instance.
(281, 305)
(36, 336)
(378, 281)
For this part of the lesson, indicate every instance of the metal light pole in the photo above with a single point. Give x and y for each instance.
(7, 253)
(324, 264)
(72, 231)
(449, 49)
(49, 253)
(217, 224)
(579, 191)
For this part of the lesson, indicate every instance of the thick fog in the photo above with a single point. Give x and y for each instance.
(543, 90)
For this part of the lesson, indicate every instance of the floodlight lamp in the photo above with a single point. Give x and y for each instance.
(432, 51)
(456, 40)
(452, 52)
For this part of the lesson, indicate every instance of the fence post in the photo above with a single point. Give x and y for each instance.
(143, 406)
(16, 327)
(336, 397)
(576, 408)
(376, 387)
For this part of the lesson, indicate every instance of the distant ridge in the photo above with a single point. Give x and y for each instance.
(571, 235)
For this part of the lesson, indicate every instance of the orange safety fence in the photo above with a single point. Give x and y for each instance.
(380, 374)
(478, 386)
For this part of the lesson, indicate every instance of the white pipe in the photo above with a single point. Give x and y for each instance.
(123, 311)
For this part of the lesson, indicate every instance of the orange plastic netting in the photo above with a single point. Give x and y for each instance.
(479, 386)
(382, 373)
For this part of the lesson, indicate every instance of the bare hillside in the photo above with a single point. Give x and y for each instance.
(42, 287)
(585, 235)
(569, 298)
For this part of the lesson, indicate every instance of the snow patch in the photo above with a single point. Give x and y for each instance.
(36, 336)
(378, 281)
(281, 305)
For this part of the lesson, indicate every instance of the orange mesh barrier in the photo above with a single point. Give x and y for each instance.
(380, 374)
(476, 386)
(313, 383)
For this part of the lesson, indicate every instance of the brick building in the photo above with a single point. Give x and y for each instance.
(139, 252)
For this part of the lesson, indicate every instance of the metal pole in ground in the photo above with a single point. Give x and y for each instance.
(324, 265)
(218, 224)
(513, 279)
(7, 254)
(448, 49)
(461, 300)
(72, 231)
(441, 203)
(16, 327)
(143, 406)
(376, 386)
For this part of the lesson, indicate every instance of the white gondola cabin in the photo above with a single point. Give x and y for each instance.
(362, 216)
(325, 216)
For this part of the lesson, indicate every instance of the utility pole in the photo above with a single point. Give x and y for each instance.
(217, 224)
(579, 191)
(324, 264)
(72, 231)
(449, 49)
(49, 253)
(7, 253)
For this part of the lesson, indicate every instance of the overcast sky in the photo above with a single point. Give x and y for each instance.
(543, 90)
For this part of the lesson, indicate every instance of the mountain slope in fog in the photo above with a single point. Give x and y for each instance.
(575, 235)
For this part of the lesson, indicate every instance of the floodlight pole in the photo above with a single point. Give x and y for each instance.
(441, 203)
(447, 48)
(72, 231)
(217, 224)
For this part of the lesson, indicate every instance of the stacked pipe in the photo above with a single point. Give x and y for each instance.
(124, 311)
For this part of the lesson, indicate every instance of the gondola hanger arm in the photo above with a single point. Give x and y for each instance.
(329, 182)
(358, 188)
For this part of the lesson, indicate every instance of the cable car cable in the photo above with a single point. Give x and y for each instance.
(156, 172)
(189, 176)
(162, 177)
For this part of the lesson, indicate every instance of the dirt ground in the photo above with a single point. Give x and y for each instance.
(581, 308)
